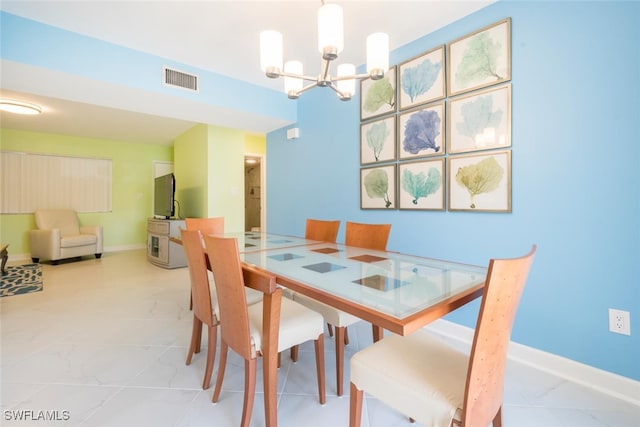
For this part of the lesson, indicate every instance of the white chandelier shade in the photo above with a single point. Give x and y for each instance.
(330, 44)
(377, 53)
(330, 31)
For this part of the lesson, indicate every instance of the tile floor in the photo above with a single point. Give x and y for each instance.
(104, 345)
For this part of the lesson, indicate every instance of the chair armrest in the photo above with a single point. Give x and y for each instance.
(45, 243)
(259, 280)
(94, 230)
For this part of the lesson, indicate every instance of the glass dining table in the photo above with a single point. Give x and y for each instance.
(393, 291)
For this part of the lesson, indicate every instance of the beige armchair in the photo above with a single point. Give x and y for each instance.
(59, 236)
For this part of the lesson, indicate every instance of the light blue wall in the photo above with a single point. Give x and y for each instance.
(575, 182)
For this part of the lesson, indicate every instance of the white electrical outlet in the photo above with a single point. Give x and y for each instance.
(619, 321)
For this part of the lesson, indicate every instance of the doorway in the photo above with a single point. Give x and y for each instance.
(253, 193)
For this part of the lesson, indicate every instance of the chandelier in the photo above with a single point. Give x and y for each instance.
(330, 44)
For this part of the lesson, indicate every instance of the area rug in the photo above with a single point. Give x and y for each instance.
(21, 279)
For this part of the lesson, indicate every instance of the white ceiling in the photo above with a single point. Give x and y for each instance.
(218, 36)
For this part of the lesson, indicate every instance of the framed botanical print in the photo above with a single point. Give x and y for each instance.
(378, 97)
(378, 140)
(422, 79)
(421, 185)
(480, 182)
(378, 187)
(480, 59)
(480, 121)
(421, 132)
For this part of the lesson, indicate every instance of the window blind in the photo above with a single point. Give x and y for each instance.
(40, 181)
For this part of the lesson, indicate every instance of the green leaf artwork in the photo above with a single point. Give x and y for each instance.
(419, 79)
(376, 136)
(477, 116)
(380, 93)
(482, 177)
(479, 60)
(376, 183)
(420, 185)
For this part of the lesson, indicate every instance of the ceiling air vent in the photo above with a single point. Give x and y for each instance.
(179, 79)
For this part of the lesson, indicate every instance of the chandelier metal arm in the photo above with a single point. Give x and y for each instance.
(293, 94)
(352, 77)
(343, 96)
(296, 76)
(325, 70)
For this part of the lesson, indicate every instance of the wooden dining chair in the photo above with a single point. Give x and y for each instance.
(213, 225)
(205, 310)
(369, 236)
(424, 378)
(322, 230)
(260, 329)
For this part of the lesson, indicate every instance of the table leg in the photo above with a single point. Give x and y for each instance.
(340, 331)
(270, 326)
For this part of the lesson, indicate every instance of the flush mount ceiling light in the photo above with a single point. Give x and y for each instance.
(330, 44)
(19, 107)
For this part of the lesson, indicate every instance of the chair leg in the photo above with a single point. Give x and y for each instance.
(294, 353)
(222, 364)
(211, 355)
(346, 336)
(196, 332)
(198, 346)
(355, 406)
(330, 327)
(249, 391)
(497, 420)
(190, 300)
(340, 330)
(319, 345)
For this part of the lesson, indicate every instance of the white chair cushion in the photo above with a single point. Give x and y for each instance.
(331, 315)
(253, 296)
(78, 240)
(419, 375)
(297, 324)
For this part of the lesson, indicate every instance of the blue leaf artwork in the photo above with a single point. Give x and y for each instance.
(420, 132)
(419, 79)
(420, 184)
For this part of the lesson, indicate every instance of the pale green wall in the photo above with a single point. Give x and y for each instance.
(132, 196)
(209, 169)
(226, 176)
(255, 144)
(190, 168)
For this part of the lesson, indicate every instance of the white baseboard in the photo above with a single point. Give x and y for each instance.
(125, 247)
(27, 256)
(606, 382)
